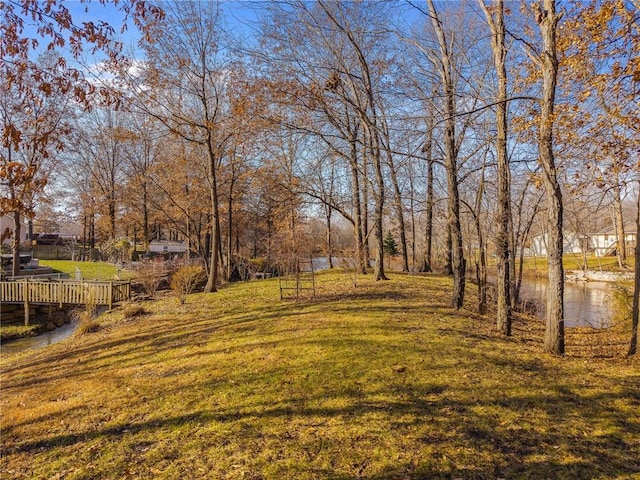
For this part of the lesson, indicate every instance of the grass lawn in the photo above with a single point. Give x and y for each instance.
(89, 270)
(537, 266)
(379, 381)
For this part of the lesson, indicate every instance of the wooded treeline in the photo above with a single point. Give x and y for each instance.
(285, 129)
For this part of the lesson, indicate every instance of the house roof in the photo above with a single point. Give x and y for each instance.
(628, 228)
(167, 242)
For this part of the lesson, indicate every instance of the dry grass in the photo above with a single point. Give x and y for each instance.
(10, 332)
(133, 310)
(86, 316)
(379, 381)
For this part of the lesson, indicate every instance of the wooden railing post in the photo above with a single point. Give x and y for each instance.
(110, 295)
(25, 292)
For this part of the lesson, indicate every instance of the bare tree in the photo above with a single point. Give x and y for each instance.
(427, 149)
(633, 344)
(185, 86)
(98, 150)
(495, 20)
(445, 68)
(547, 19)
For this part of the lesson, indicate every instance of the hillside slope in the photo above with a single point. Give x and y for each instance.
(379, 381)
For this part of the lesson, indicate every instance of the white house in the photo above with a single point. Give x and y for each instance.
(167, 246)
(606, 243)
(571, 244)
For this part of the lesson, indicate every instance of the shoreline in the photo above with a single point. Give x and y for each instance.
(30, 331)
(42, 323)
(597, 276)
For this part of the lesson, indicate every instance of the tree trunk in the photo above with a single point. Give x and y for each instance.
(554, 333)
(379, 271)
(357, 212)
(365, 216)
(429, 220)
(327, 215)
(619, 224)
(212, 278)
(230, 229)
(427, 150)
(397, 194)
(145, 218)
(83, 257)
(451, 164)
(448, 265)
(412, 210)
(517, 284)
(397, 204)
(379, 205)
(92, 233)
(112, 213)
(481, 267)
(496, 23)
(633, 344)
(15, 244)
(514, 291)
(453, 203)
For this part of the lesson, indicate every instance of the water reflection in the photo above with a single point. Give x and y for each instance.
(43, 340)
(585, 303)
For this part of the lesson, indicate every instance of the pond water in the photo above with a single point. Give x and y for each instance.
(586, 304)
(43, 340)
(322, 263)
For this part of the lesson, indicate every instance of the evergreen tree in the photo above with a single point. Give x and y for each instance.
(390, 245)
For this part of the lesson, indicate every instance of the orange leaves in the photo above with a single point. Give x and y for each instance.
(11, 136)
(17, 174)
(55, 25)
(23, 182)
(9, 169)
(35, 94)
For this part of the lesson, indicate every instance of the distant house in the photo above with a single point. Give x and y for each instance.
(572, 243)
(167, 246)
(606, 243)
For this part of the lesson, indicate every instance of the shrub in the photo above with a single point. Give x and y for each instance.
(185, 279)
(350, 265)
(132, 311)
(86, 327)
(149, 275)
(622, 301)
(86, 316)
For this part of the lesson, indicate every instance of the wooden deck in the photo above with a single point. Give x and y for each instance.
(63, 292)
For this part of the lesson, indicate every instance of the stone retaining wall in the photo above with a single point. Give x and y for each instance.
(43, 314)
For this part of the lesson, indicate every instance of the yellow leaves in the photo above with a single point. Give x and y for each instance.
(536, 180)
